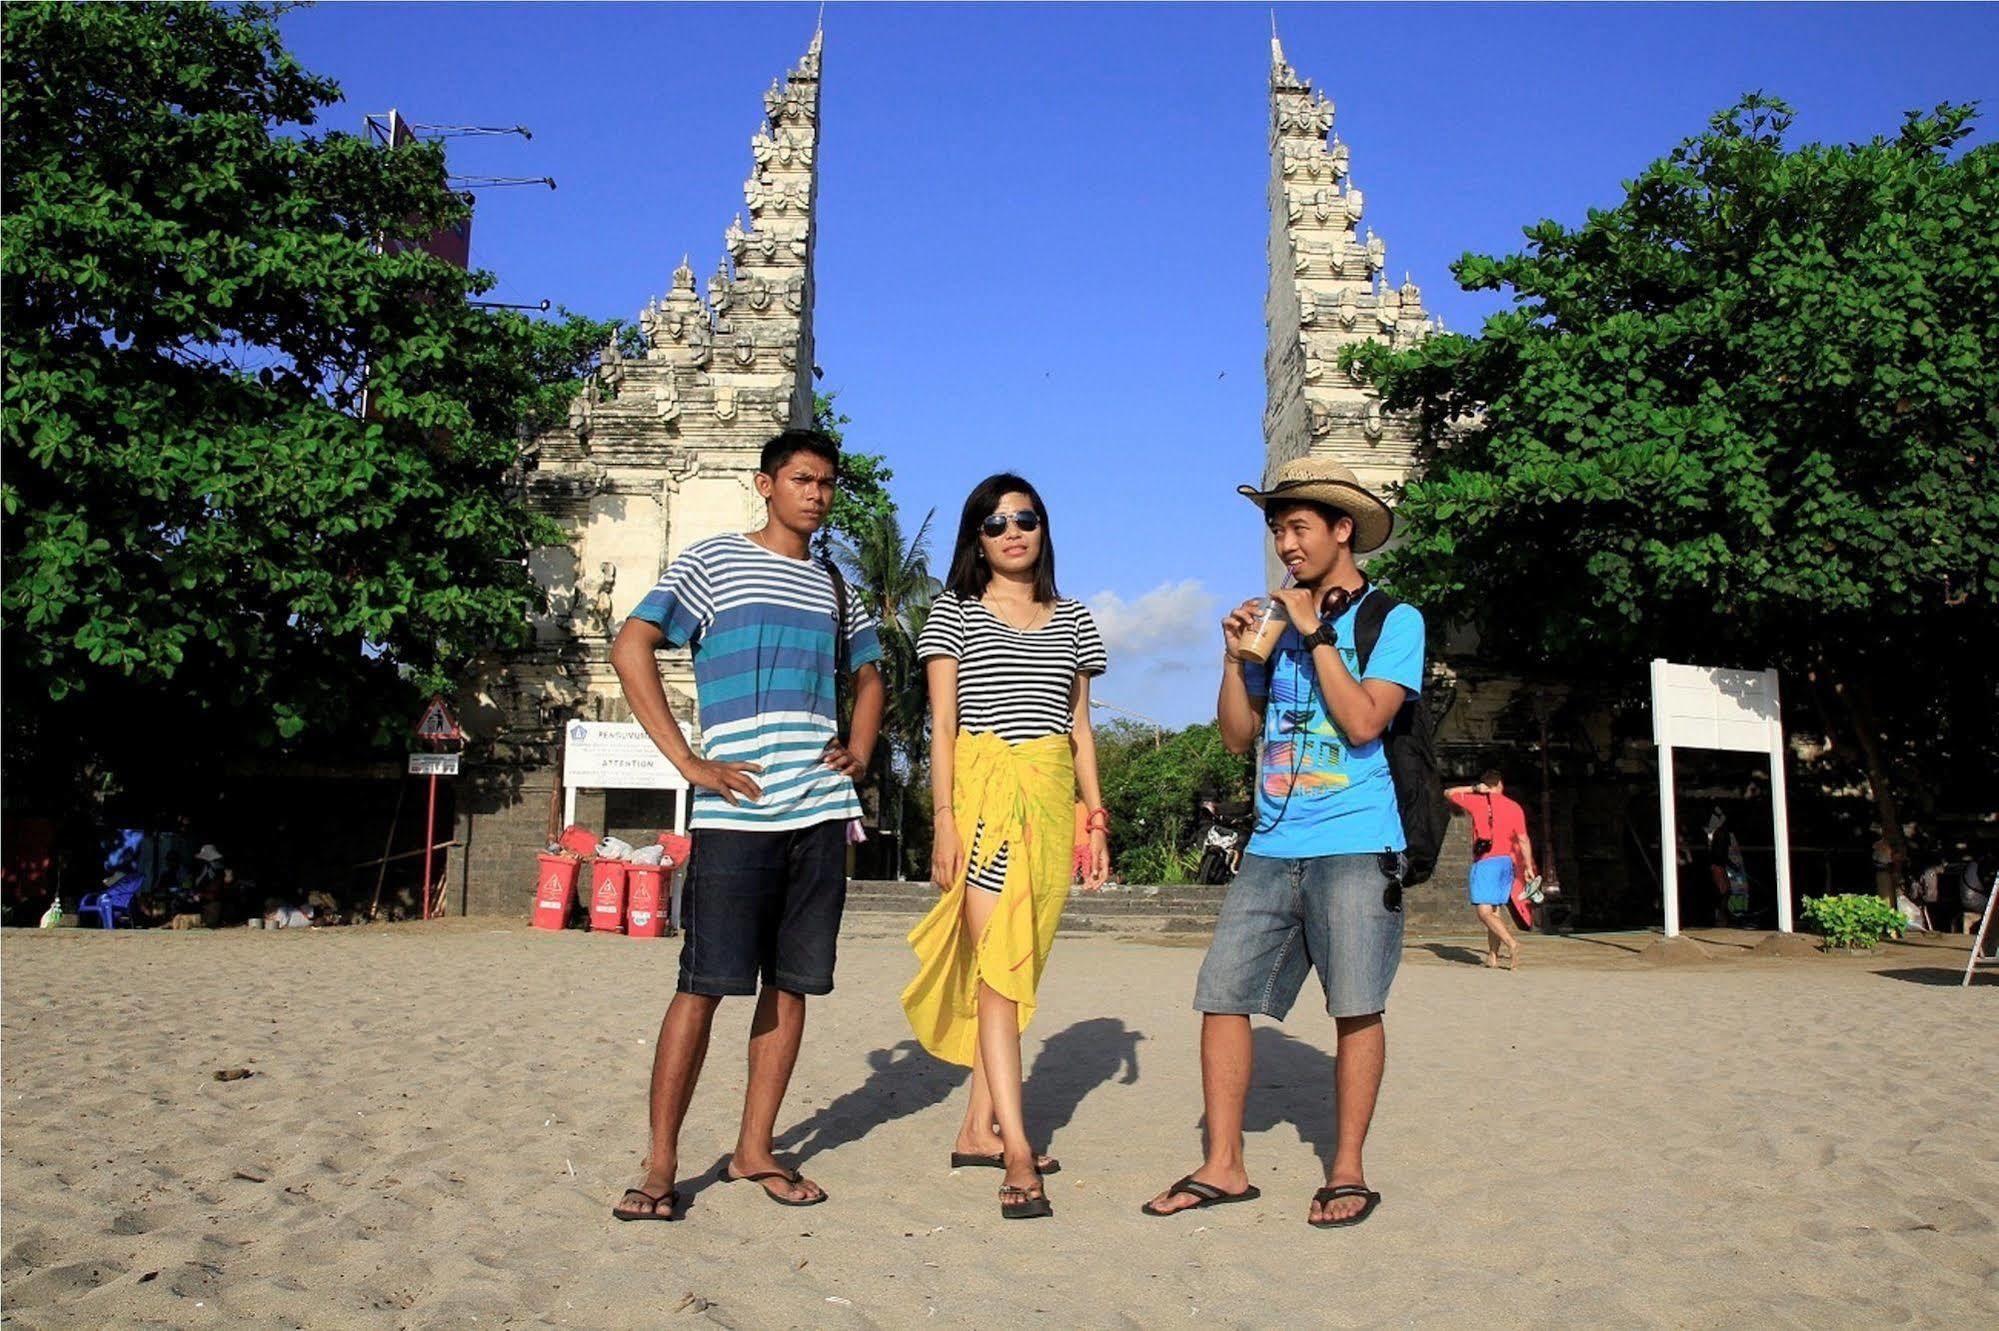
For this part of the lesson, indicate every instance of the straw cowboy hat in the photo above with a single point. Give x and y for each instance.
(1324, 481)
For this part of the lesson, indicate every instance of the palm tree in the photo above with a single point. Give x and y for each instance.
(892, 579)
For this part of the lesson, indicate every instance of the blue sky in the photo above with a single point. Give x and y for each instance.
(1041, 226)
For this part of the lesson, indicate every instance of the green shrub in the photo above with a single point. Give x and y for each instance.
(1853, 920)
(1157, 864)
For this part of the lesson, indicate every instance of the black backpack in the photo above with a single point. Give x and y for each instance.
(1410, 744)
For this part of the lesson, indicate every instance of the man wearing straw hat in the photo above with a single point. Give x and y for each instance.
(1320, 884)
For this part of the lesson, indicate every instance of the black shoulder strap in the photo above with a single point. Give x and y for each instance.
(839, 625)
(1373, 613)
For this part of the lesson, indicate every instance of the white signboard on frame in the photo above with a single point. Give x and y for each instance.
(1699, 707)
(616, 755)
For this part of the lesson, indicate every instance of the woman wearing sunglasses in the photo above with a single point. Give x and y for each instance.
(1009, 663)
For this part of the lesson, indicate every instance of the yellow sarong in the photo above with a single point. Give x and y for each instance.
(1022, 794)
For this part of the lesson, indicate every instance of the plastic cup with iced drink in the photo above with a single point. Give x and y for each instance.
(1271, 621)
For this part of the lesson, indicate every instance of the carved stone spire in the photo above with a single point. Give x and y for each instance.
(658, 453)
(1323, 296)
(1280, 71)
(771, 314)
(728, 361)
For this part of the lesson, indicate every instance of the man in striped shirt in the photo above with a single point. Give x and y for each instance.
(773, 794)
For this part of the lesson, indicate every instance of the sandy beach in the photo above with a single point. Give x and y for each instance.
(440, 1117)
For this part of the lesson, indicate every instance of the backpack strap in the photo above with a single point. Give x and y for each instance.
(1367, 622)
(839, 634)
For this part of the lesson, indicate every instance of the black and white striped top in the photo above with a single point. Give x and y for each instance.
(1020, 686)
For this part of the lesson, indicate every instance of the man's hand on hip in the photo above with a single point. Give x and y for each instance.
(843, 760)
(729, 780)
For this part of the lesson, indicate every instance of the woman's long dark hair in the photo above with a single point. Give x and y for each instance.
(969, 573)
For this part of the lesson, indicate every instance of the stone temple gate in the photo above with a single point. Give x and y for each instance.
(1327, 292)
(659, 451)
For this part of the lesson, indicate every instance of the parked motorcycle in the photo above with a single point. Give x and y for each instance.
(1222, 835)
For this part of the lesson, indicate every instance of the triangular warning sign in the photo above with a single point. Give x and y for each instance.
(438, 722)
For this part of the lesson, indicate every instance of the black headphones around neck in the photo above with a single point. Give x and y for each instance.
(1341, 599)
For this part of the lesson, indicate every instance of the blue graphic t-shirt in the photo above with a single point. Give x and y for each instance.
(761, 627)
(1315, 794)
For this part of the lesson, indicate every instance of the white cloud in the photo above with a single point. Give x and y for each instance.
(1169, 619)
(1165, 651)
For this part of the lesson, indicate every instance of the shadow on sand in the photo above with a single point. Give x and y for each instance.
(1937, 975)
(1292, 1083)
(1071, 1064)
(902, 1080)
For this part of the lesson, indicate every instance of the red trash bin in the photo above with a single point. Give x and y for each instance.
(607, 896)
(555, 890)
(677, 848)
(644, 911)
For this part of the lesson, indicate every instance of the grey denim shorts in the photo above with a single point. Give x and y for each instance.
(1284, 917)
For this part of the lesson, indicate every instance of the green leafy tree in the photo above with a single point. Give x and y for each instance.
(891, 575)
(210, 547)
(1744, 417)
(1151, 781)
(862, 498)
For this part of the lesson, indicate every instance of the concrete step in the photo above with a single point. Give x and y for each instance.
(1432, 906)
(916, 898)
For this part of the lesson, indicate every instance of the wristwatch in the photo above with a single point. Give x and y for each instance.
(1323, 636)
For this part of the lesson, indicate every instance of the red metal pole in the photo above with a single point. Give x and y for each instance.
(429, 842)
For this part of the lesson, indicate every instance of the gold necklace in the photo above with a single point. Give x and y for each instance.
(993, 607)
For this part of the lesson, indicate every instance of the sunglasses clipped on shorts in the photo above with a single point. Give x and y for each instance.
(1393, 865)
(994, 525)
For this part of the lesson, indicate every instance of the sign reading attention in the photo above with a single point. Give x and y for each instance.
(616, 755)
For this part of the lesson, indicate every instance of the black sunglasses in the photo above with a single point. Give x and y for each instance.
(1393, 866)
(995, 523)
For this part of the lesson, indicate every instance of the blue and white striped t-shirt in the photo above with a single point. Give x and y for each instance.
(761, 627)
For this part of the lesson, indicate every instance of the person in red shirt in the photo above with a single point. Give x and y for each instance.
(1500, 846)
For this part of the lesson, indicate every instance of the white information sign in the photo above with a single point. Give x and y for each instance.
(433, 764)
(1698, 707)
(616, 755)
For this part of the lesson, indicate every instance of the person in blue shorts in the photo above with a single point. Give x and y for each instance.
(773, 794)
(1321, 880)
(1502, 854)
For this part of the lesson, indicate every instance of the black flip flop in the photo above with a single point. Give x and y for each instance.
(1208, 1194)
(1027, 1208)
(997, 1160)
(669, 1198)
(788, 1175)
(1324, 1195)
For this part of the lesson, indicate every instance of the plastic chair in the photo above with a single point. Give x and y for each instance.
(119, 896)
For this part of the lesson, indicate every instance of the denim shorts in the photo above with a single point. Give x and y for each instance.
(763, 906)
(1283, 917)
